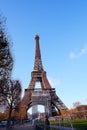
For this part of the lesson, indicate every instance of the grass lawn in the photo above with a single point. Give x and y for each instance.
(78, 124)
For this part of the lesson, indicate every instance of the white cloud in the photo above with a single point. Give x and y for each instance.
(72, 55)
(82, 52)
(54, 81)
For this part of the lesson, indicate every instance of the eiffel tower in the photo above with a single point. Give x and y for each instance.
(38, 74)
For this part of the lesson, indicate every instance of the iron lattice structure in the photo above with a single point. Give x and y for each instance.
(39, 75)
(41, 97)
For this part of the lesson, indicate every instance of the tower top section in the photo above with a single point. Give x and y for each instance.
(38, 62)
(37, 37)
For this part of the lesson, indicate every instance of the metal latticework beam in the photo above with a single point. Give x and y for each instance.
(41, 97)
(38, 62)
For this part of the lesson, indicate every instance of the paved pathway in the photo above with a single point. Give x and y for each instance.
(22, 127)
(62, 127)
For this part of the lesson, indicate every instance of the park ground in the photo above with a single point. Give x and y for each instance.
(21, 127)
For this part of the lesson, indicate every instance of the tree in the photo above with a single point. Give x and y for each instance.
(75, 104)
(13, 97)
(6, 60)
(10, 90)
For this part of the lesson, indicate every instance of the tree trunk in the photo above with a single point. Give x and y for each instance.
(9, 118)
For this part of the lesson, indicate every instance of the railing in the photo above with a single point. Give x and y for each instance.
(62, 122)
(59, 124)
(72, 121)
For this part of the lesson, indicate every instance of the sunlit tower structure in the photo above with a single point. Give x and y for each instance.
(32, 96)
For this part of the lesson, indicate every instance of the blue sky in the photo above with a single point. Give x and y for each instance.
(62, 27)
